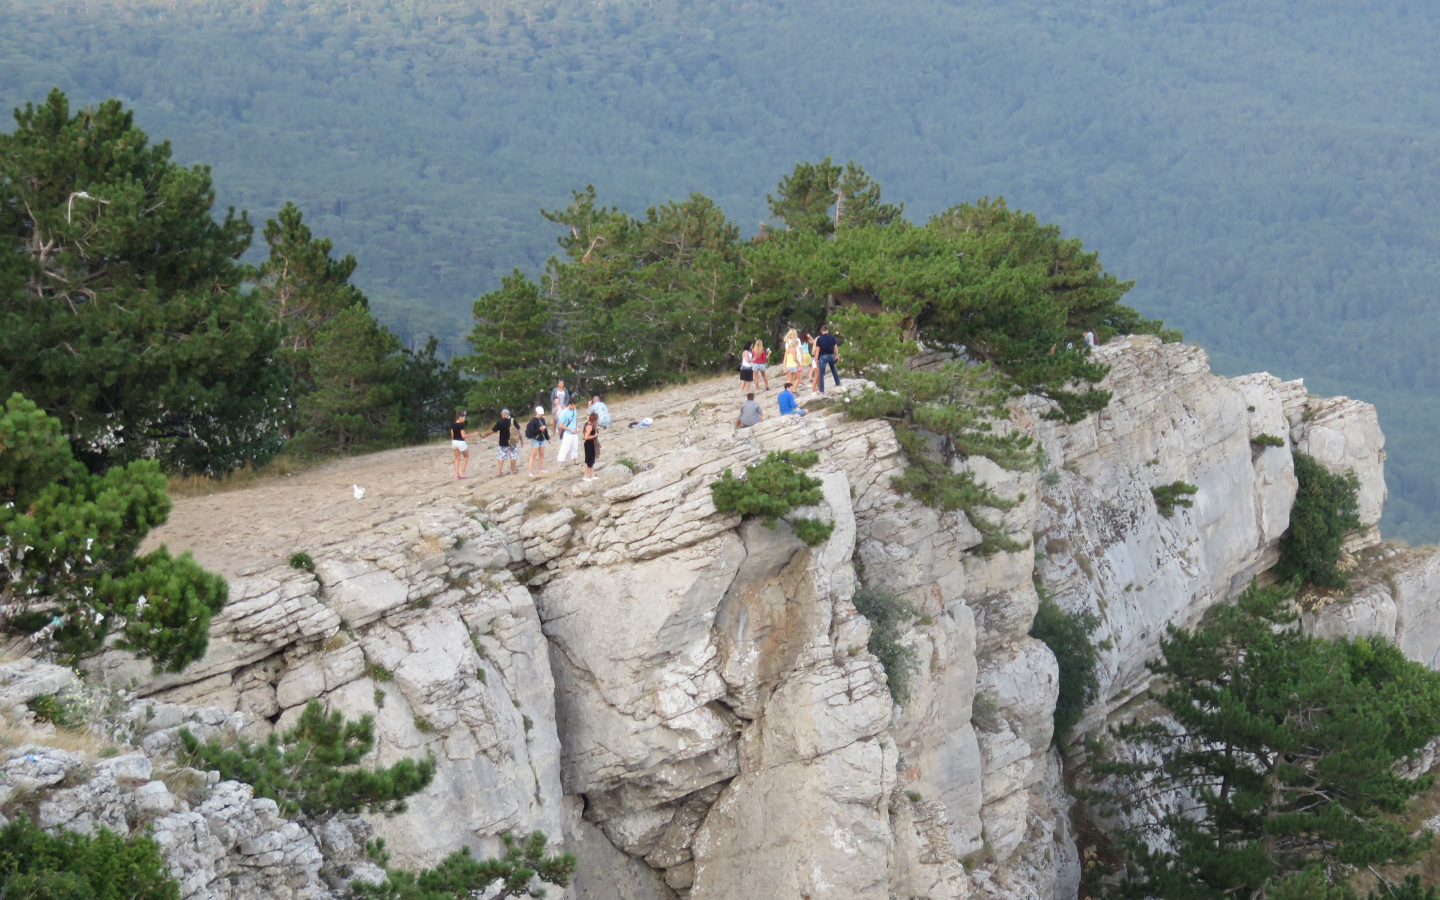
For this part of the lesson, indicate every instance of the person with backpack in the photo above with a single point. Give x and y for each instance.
(506, 448)
(538, 435)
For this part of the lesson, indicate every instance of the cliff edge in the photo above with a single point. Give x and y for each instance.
(687, 700)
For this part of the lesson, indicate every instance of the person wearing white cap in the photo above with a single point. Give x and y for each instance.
(538, 435)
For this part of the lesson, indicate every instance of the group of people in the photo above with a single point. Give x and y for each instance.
(576, 435)
(804, 359)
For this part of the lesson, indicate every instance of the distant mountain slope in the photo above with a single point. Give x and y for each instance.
(1267, 171)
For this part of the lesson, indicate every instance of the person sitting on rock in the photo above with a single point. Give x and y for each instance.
(788, 406)
(598, 407)
(750, 413)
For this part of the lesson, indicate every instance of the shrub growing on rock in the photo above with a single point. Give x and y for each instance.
(889, 616)
(68, 567)
(1068, 637)
(1169, 496)
(940, 413)
(462, 875)
(1326, 510)
(36, 865)
(311, 768)
(771, 489)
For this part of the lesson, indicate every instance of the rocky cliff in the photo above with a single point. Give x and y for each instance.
(686, 699)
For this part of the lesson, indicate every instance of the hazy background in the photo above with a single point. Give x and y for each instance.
(1268, 172)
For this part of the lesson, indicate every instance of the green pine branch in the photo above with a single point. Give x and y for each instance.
(312, 769)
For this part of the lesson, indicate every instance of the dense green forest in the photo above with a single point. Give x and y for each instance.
(1266, 172)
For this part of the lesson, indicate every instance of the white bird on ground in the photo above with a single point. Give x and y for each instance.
(359, 492)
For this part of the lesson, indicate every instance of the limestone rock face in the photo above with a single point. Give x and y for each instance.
(1110, 550)
(217, 840)
(439, 644)
(1344, 434)
(637, 672)
(1395, 594)
(688, 701)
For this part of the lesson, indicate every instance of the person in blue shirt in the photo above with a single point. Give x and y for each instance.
(569, 434)
(598, 407)
(788, 406)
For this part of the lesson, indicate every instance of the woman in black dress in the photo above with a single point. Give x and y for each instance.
(591, 436)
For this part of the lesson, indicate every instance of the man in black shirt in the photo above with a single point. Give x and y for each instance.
(826, 355)
(457, 444)
(506, 449)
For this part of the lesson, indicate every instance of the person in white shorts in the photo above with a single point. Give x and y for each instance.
(569, 434)
(457, 444)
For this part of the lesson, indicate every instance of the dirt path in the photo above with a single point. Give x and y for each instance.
(243, 531)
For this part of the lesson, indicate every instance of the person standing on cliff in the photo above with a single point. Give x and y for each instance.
(591, 435)
(569, 434)
(538, 435)
(759, 359)
(458, 445)
(505, 449)
(559, 396)
(826, 355)
(791, 361)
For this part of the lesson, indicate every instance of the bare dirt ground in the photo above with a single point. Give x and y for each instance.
(250, 529)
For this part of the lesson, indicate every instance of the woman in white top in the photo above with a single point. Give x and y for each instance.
(747, 372)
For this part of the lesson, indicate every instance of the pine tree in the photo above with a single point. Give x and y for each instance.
(803, 198)
(824, 197)
(514, 354)
(121, 311)
(68, 538)
(428, 392)
(644, 301)
(312, 768)
(303, 288)
(462, 875)
(1282, 749)
(1075, 279)
(356, 364)
(68, 865)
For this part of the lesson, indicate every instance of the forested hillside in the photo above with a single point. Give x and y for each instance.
(1267, 172)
